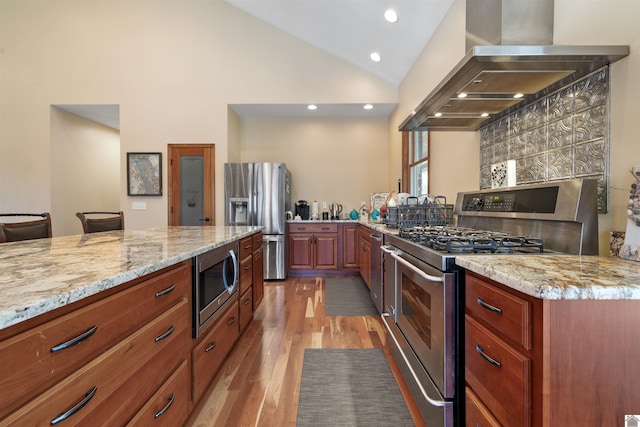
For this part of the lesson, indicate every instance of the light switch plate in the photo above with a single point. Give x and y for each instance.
(139, 205)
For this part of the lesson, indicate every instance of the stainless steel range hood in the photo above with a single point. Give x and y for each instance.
(495, 80)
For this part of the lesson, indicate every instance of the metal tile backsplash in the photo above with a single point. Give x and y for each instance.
(562, 136)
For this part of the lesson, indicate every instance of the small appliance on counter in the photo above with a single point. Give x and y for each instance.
(302, 209)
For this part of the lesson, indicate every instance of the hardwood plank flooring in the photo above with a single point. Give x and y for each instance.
(259, 383)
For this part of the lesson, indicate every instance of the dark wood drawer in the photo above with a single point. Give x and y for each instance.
(246, 247)
(257, 241)
(313, 228)
(109, 374)
(507, 313)
(504, 389)
(170, 405)
(246, 273)
(29, 362)
(476, 413)
(209, 355)
(246, 309)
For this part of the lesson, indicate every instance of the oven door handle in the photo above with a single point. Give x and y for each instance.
(412, 267)
(433, 402)
(230, 287)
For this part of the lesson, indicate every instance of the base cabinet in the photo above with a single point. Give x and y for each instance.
(313, 247)
(534, 362)
(365, 255)
(323, 248)
(211, 352)
(258, 270)
(156, 342)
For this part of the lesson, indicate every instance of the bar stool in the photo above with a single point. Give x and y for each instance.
(102, 223)
(25, 230)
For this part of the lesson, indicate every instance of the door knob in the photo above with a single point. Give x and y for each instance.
(207, 219)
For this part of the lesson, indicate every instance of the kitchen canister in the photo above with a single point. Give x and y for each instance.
(353, 214)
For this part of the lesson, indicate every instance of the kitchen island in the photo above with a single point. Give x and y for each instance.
(38, 276)
(99, 327)
(551, 340)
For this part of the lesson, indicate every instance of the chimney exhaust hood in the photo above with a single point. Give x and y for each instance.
(492, 81)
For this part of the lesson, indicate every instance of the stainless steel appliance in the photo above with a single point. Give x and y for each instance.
(259, 194)
(215, 279)
(424, 312)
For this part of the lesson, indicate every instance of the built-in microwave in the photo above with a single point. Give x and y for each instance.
(215, 282)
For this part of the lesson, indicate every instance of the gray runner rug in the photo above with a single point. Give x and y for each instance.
(349, 387)
(348, 296)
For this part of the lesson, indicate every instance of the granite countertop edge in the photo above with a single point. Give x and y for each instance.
(560, 277)
(41, 275)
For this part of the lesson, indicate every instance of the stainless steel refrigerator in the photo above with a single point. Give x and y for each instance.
(259, 194)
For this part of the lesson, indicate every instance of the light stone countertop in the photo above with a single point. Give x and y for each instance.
(557, 277)
(41, 275)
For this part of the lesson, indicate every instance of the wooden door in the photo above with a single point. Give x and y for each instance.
(191, 178)
(300, 251)
(326, 251)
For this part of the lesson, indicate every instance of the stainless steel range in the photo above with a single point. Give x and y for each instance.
(424, 289)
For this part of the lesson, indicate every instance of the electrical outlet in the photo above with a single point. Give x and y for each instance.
(139, 205)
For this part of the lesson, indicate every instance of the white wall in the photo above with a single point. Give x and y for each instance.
(171, 66)
(85, 170)
(334, 160)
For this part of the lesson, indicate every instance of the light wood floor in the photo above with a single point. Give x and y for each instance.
(259, 383)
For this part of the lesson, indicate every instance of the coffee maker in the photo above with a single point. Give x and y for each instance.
(302, 209)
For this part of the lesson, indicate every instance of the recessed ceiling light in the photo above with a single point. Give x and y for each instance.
(312, 107)
(518, 95)
(484, 115)
(438, 114)
(375, 57)
(462, 95)
(391, 16)
(367, 106)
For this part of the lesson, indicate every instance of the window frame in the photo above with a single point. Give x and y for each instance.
(408, 162)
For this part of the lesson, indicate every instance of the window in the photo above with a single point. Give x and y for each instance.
(415, 162)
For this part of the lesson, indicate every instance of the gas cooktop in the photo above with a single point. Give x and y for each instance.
(463, 240)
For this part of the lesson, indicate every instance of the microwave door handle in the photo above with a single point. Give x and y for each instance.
(416, 269)
(231, 287)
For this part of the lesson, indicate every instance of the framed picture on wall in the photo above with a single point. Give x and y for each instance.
(144, 174)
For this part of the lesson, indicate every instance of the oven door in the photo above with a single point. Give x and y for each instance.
(425, 313)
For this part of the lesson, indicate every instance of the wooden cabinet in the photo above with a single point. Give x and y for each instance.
(350, 238)
(245, 309)
(313, 246)
(123, 333)
(258, 270)
(498, 350)
(365, 254)
(211, 351)
(246, 264)
(169, 406)
(534, 362)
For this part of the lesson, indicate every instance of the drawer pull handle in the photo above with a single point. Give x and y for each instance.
(247, 301)
(211, 347)
(486, 357)
(231, 321)
(166, 291)
(326, 228)
(247, 246)
(248, 267)
(489, 306)
(166, 408)
(76, 340)
(87, 397)
(166, 334)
